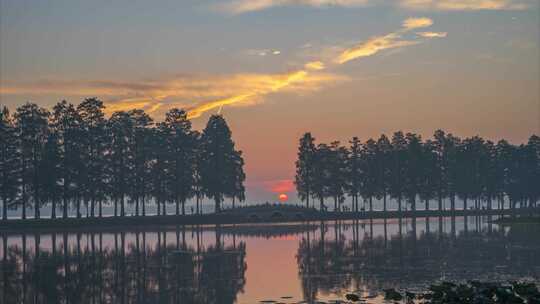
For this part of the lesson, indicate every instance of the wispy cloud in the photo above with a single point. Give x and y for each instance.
(297, 81)
(314, 65)
(414, 23)
(373, 46)
(244, 6)
(236, 7)
(263, 52)
(197, 94)
(200, 94)
(389, 41)
(463, 5)
(432, 34)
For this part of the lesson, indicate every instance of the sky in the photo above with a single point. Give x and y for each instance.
(278, 68)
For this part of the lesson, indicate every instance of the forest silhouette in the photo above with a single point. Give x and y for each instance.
(408, 169)
(74, 156)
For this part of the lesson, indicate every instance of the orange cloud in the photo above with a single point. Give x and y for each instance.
(463, 5)
(245, 6)
(314, 65)
(236, 7)
(432, 34)
(262, 85)
(389, 41)
(199, 94)
(413, 23)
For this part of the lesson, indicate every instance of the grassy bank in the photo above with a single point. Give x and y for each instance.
(249, 214)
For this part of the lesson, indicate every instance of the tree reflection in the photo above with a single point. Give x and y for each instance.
(127, 271)
(411, 259)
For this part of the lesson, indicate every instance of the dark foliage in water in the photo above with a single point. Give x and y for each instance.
(471, 293)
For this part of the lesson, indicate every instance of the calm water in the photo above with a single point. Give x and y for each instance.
(248, 264)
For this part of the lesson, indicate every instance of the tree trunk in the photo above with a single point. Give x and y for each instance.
(65, 207)
(321, 201)
(217, 202)
(370, 203)
(465, 203)
(177, 203)
(233, 202)
(115, 207)
(122, 207)
(427, 204)
(384, 202)
(143, 204)
(78, 208)
(335, 204)
(53, 211)
(4, 208)
(183, 207)
(36, 208)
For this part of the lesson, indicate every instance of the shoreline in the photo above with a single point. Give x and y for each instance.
(245, 215)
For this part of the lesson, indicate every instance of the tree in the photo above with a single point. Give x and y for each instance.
(32, 126)
(159, 170)
(304, 167)
(354, 170)
(181, 144)
(94, 149)
(321, 174)
(9, 162)
(238, 189)
(428, 180)
(370, 171)
(66, 123)
(121, 158)
(50, 178)
(413, 168)
(383, 166)
(398, 172)
(218, 166)
(533, 189)
(140, 147)
(336, 182)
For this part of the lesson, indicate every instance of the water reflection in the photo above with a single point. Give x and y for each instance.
(332, 264)
(117, 270)
(209, 264)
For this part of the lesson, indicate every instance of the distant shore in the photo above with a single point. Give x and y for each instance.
(245, 215)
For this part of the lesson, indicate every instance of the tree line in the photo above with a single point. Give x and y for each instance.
(74, 155)
(408, 169)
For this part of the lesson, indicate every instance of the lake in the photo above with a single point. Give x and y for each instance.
(285, 263)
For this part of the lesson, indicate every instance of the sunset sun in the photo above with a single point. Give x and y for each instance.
(283, 197)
